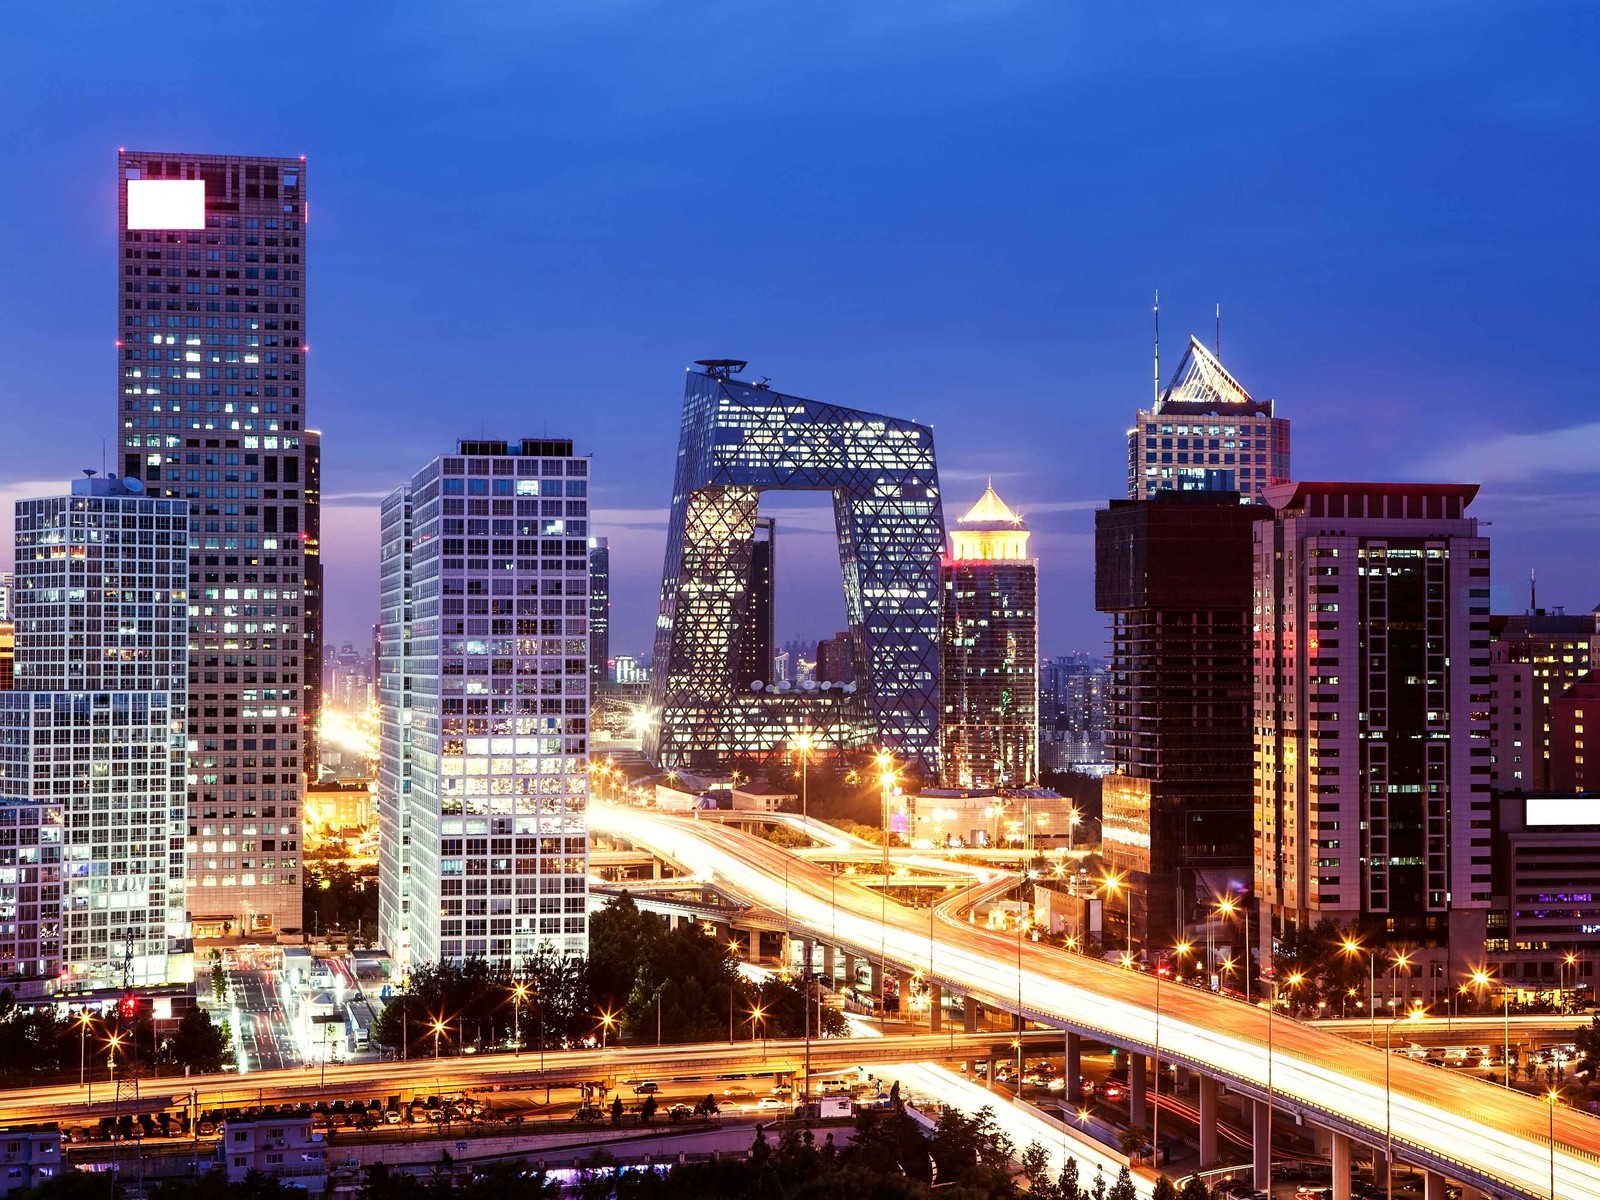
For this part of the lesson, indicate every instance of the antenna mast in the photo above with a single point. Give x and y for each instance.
(1156, 397)
(1219, 331)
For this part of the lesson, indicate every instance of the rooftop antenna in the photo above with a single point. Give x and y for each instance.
(102, 454)
(1219, 331)
(1533, 591)
(1157, 374)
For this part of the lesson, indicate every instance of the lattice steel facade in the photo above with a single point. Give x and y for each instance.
(737, 441)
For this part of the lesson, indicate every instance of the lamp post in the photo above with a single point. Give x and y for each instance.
(1570, 960)
(607, 1020)
(1351, 946)
(1416, 1014)
(1179, 951)
(1399, 960)
(439, 1028)
(519, 993)
(84, 1021)
(886, 778)
(759, 1014)
(1551, 1099)
(803, 743)
(1293, 981)
(1112, 884)
(1481, 980)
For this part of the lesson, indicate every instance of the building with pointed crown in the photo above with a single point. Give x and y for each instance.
(1206, 433)
(989, 651)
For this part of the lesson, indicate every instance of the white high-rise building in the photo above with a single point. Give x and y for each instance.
(7, 583)
(484, 779)
(1372, 693)
(96, 721)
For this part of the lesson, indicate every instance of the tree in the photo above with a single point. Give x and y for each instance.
(1123, 1189)
(1035, 1164)
(1164, 1189)
(1587, 1040)
(1067, 1183)
(1195, 1189)
(1132, 1140)
(198, 1044)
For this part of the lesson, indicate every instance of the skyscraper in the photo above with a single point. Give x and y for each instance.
(211, 340)
(483, 792)
(1206, 432)
(1372, 686)
(1174, 574)
(392, 644)
(7, 583)
(758, 635)
(737, 441)
(312, 610)
(96, 722)
(989, 651)
(599, 612)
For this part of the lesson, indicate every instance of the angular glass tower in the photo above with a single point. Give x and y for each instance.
(737, 441)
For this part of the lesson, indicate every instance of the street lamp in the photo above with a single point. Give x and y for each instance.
(804, 743)
(759, 1014)
(607, 1020)
(1551, 1099)
(1401, 959)
(84, 1021)
(1570, 960)
(1293, 981)
(519, 993)
(439, 1028)
(1112, 884)
(886, 781)
(1351, 946)
(1179, 951)
(1481, 980)
(1416, 1014)
(1227, 907)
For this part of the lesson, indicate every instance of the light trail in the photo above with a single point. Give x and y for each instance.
(1483, 1136)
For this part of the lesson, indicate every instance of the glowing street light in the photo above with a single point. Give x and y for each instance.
(519, 993)
(1352, 947)
(607, 1020)
(439, 1028)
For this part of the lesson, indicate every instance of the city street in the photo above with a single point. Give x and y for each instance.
(264, 1033)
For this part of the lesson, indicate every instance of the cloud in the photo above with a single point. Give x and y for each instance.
(1510, 457)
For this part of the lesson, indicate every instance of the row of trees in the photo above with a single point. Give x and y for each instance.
(37, 1044)
(640, 980)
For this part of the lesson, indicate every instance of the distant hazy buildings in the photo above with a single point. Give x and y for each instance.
(1206, 432)
(95, 727)
(1372, 690)
(1072, 713)
(989, 651)
(1174, 574)
(483, 787)
(757, 636)
(737, 441)
(211, 346)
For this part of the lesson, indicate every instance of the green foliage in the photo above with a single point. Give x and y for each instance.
(1164, 1189)
(334, 896)
(1587, 1039)
(1195, 1189)
(214, 1185)
(199, 1044)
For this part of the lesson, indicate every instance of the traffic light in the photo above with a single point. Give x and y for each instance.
(129, 1007)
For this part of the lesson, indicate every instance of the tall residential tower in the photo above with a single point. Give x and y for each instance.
(212, 340)
(95, 725)
(1372, 690)
(484, 783)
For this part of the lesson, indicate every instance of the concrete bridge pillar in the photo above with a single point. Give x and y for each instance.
(1208, 1121)
(1136, 1087)
(1433, 1186)
(1072, 1068)
(876, 969)
(753, 947)
(828, 964)
(969, 1015)
(1261, 1146)
(993, 1062)
(935, 1008)
(1341, 1167)
(852, 965)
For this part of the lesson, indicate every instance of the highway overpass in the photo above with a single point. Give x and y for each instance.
(1491, 1139)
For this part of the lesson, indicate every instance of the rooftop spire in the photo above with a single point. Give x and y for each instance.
(1201, 379)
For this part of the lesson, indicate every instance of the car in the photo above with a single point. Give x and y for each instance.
(737, 1092)
(783, 1089)
(772, 1104)
(648, 1087)
(392, 1116)
(679, 1112)
(1109, 1089)
(1313, 1192)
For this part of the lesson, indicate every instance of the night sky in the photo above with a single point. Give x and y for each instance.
(529, 218)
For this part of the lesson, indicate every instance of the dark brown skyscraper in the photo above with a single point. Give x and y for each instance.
(211, 346)
(1174, 572)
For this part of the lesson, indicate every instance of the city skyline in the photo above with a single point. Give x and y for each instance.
(1460, 300)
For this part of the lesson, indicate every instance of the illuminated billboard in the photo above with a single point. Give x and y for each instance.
(1563, 810)
(166, 204)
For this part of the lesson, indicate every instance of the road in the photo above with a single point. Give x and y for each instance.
(1473, 1132)
(263, 1026)
(430, 1076)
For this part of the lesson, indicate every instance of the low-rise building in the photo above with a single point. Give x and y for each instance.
(28, 1157)
(1544, 929)
(280, 1145)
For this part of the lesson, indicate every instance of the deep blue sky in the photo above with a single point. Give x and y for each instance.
(529, 217)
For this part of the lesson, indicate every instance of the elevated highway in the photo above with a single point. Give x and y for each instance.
(1492, 1139)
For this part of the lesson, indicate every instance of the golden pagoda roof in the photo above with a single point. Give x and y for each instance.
(990, 509)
